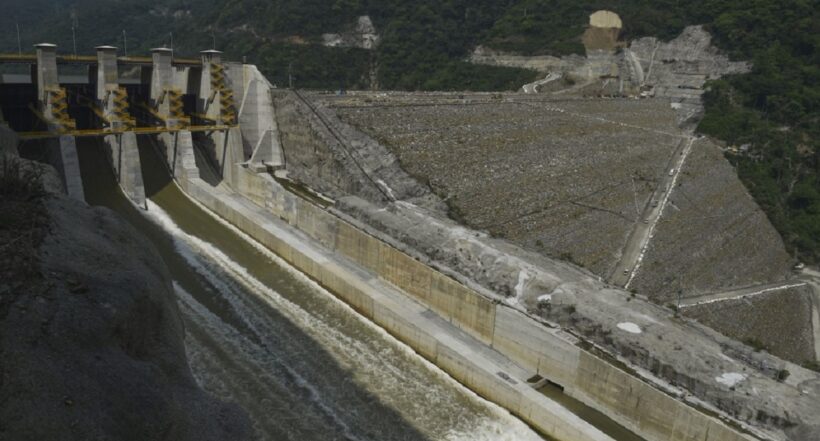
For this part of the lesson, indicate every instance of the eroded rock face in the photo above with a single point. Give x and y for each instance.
(91, 341)
(677, 69)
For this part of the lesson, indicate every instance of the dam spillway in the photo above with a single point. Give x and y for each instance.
(265, 330)
(302, 364)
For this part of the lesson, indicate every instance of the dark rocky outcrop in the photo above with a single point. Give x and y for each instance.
(91, 340)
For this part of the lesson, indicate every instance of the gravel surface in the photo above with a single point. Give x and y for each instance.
(779, 323)
(562, 177)
(712, 236)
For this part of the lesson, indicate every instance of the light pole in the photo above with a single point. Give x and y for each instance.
(19, 45)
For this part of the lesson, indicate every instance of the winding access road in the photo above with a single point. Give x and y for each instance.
(644, 230)
(533, 87)
(740, 293)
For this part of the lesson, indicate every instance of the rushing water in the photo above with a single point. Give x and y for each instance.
(302, 364)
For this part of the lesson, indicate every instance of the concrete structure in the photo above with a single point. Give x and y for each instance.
(179, 151)
(70, 166)
(260, 133)
(53, 109)
(168, 80)
(125, 159)
(215, 100)
(47, 77)
(527, 346)
(488, 345)
(208, 98)
(164, 95)
(461, 355)
(122, 148)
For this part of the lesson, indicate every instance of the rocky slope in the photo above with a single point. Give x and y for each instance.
(677, 69)
(91, 340)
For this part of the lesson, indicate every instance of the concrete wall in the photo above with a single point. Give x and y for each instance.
(356, 288)
(179, 152)
(125, 159)
(70, 166)
(623, 397)
(260, 132)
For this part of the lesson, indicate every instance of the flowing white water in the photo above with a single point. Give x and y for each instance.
(311, 366)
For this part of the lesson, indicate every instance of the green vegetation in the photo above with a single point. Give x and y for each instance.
(774, 109)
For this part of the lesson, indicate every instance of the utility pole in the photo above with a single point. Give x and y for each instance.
(19, 44)
(74, 36)
(290, 75)
(74, 25)
(124, 43)
(171, 34)
(213, 37)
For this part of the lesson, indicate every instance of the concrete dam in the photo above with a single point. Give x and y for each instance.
(317, 324)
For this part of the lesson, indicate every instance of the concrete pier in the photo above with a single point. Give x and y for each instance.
(70, 166)
(209, 99)
(46, 70)
(166, 89)
(125, 159)
(122, 148)
(179, 151)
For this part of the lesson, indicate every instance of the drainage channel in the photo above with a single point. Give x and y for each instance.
(302, 364)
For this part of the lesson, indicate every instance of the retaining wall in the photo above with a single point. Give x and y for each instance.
(551, 353)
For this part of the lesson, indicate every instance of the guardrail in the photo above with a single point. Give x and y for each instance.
(105, 132)
(92, 59)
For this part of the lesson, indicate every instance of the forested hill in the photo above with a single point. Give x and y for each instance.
(423, 44)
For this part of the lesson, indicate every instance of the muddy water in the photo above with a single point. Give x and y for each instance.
(303, 365)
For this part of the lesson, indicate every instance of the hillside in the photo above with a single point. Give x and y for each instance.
(422, 45)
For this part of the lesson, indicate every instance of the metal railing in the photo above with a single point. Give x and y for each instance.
(138, 130)
(92, 59)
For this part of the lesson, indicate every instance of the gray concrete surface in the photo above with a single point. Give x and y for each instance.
(70, 166)
(179, 152)
(703, 361)
(260, 131)
(124, 157)
(461, 355)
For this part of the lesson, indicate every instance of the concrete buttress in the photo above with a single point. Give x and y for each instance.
(70, 166)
